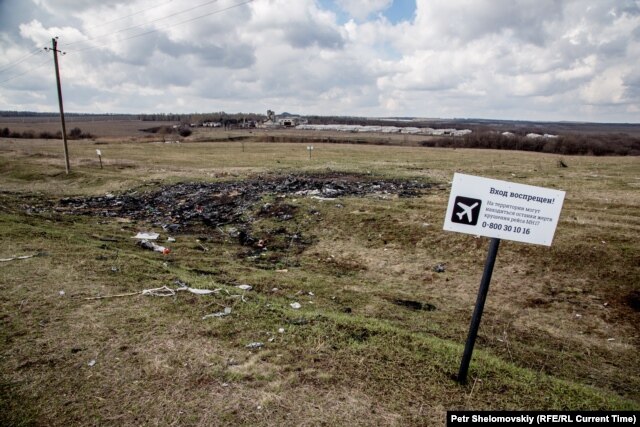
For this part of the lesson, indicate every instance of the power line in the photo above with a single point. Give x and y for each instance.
(168, 26)
(30, 70)
(143, 24)
(130, 15)
(127, 38)
(21, 60)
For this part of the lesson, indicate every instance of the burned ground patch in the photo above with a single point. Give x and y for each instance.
(255, 212)
(184, 205)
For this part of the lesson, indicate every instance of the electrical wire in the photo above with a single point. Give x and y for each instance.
(143, 24)
(21, 60)
(35, 52)
(168, 26)
(30, 70)
(130, 15)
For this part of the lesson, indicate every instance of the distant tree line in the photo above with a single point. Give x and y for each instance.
(220, 116)
(75, 133)
(571, 144)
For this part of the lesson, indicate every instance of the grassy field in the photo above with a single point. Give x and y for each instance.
(560, 328)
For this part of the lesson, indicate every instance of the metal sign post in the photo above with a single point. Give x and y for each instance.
(99, 157)
(477, 312)
(499, 210)
(310, 149)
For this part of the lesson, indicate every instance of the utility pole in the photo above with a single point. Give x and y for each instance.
(54, 49)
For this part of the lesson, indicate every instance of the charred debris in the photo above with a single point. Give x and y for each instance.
(199, 207)
(178, 207)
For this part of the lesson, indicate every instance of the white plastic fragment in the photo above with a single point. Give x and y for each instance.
(245, 287)
(16, 257)
(254, 345)
(202, 291)
(91, 362)
(226, 312)
(146, 235)
(295, 305)
(171, 239)
(61, 293)
(163, 291)
(281, 330)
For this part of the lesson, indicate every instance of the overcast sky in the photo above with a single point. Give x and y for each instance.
(503, 59)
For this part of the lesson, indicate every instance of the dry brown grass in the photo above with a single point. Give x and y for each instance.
(560, 329)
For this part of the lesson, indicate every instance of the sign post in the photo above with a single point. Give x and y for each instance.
(99, 153)
(310, 149)
(499, 210)
(477, 312)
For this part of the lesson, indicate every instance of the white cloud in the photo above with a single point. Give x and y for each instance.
(605, 88)
(546, 59)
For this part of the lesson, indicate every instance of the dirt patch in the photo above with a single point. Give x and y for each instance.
(414, 305)
(633, 300)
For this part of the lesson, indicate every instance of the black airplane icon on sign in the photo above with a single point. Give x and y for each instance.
(466, 210)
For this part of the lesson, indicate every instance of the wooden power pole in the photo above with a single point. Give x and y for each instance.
(54, 49)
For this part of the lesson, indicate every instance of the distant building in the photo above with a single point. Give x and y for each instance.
(537, 135)
(291, 121)
(211, 124)
(286, 121)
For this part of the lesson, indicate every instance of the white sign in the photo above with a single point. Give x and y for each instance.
(502, 209)
(98, 152)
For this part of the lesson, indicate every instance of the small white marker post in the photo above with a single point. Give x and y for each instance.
(99, 153)
(499, 210)
(310, 149)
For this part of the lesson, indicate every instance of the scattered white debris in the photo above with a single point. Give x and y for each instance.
(91, 362)
(295, 305)
(281, 330)
(146, 235)
(611, 339)
(284, 270)
(245, 287)
(61, 293)
(226, 312)
(255, 345)
(17, 257)
(203, 291)
(171, 239)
